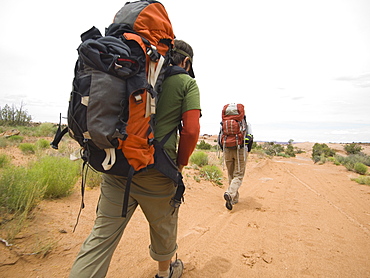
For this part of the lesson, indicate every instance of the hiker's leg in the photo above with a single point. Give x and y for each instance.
(97, 250)
(236, 198)
(164, 268)
(154, 191)
(238, 175)
(229, 157)
(164, 265)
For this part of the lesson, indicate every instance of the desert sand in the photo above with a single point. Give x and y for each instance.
(294, 219)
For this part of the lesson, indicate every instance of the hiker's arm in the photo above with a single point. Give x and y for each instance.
(188, 136)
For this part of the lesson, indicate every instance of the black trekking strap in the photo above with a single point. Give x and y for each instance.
(178, 198)
(59, 134)
(84, 170)
(179, 195)
(131, 173)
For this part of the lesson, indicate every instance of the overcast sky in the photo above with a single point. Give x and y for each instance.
(301, 68)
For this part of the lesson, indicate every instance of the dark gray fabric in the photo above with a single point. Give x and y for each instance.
(102, 111)
(129, 12)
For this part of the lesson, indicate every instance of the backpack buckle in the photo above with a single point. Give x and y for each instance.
(152, 53)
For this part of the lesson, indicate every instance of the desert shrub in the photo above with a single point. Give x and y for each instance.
(270, 148)
(352, 148)
(212, 173)
(283, 155)
(45, 130)
(199, 158)
(256, 146)
(4, 160)
(259, 152)
(57, 175)
(340, 158)
(203, 145)
(3, 143)
(15, 139)
(18, 191)
(350, 161)
(42, 144)
(321, 150)
(299, 150)
(363, 180)
(289, 150)
(360, 168)
(27, 148)
(320, 159)
(21, 188)
(334, 160)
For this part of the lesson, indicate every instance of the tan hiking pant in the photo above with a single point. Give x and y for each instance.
(235, 160)
(153, 192)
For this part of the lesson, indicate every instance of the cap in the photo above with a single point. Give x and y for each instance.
(191, 71)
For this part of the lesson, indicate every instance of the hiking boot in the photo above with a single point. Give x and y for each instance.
(176, 269)
(229, 201)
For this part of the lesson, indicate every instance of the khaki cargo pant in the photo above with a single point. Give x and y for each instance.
(153, 192)
(235, 160)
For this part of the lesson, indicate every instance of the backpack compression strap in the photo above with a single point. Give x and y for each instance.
(131, 173)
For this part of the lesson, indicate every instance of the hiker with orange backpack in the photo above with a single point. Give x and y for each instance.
(178, 104)
(235, 139)
(133, 92)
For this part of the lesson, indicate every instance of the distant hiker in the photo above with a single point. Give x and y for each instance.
(177, 110)
(235, 139)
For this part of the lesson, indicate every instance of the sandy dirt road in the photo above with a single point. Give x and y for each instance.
(294, 219)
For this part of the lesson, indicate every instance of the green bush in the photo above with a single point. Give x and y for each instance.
(4, 160)
(321, 150)
(15, 139)
(290, 150)
(352, 148)
(350, 161)
(360, 168)
(256, 146)
(45, 130)
(21, 188)
(199, 158)
(57, 175)
(363, 180)
(3, 142)
(212, 173)
(27, 148)
(203, 145)
(334, 160)
(271, 148)
(19, 191)
(43, 144)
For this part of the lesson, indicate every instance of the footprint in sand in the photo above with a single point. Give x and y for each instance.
(214, 268)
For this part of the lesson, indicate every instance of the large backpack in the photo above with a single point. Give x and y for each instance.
(233, 126)
(112, 105)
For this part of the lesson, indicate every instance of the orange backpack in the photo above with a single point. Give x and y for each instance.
(112, 105)
(233, 126)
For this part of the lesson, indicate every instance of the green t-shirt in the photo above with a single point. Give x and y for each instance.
(179, 94)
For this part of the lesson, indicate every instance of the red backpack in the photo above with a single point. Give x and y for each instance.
(233, 126)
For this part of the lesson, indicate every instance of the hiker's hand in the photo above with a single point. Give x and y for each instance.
(180, 167)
